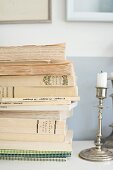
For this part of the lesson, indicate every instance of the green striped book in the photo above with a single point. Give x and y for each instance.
(14, 154)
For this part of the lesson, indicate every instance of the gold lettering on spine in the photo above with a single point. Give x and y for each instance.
(55, 80)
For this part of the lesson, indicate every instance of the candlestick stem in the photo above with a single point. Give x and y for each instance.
(99, 130)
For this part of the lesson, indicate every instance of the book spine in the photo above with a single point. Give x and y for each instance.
(65, 146)
(32, 159)
(34, 103)
(33, 152)
(49, 115)
(39, 108)
(32, 137)
(29, 92)
(32, 126)
(39, 146)
(40, 80)
(46, 155)
(15, 125)
(39, 99)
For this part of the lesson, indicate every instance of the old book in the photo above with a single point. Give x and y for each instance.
(32, 52)
(34, 91)
(33, 137)
(53, 67)
(34, 103)
(15, 125)
(32, 152)
(49, 115)
(16, 154)
(64, 107)
(32, 126)
(36, 155)
(32, 158)
(50, 100)
(41, 151)
(40, 80)
(39, 146)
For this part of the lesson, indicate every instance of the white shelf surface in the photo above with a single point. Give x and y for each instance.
(74, 163)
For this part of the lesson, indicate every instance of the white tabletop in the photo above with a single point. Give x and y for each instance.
(74, 163)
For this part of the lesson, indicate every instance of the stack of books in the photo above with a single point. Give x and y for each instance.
(38, 91)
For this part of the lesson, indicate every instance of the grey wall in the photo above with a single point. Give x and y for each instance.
(84, 119)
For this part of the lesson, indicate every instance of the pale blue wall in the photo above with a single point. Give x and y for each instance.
(84, 120)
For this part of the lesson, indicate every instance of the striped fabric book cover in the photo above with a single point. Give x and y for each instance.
(34, 155)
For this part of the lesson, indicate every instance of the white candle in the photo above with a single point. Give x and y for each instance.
(102, 80)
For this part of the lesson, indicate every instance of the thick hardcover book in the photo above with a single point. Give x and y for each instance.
(35, 92)
(33, 137)
(64, 107)
(39, 146)
(49, 115)
(40, 80)
(32, 126)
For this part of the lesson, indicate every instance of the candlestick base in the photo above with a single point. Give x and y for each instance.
(108, 141)
(98, 155)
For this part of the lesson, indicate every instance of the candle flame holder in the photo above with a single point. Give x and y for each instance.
(98, 153)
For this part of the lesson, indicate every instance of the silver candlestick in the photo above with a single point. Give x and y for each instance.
(98, 153)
